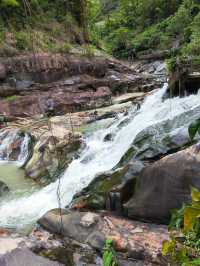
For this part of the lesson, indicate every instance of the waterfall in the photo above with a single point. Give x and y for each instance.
(14, 146)
(24, 150)
(97, 157)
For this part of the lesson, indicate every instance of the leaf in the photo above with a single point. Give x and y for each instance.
(168, 247)
(194, 128)
(191, 213)
(10, 2)
(195, 195)
(195, 262)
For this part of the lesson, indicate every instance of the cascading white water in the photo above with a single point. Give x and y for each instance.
(8, 139)
(24, 151)
(98, 156)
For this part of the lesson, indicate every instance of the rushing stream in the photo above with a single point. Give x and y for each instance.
(98, 156)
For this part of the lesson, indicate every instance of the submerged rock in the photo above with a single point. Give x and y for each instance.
(165, 185)
(4, 189)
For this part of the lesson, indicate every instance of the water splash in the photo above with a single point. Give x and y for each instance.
(98, 156)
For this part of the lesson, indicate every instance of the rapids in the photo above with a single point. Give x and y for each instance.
(98, 156)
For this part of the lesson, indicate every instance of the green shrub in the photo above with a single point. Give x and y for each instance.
(23, 40)
(185, 252)
(10, 98)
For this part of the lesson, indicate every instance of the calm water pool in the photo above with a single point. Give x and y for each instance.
(14, 177)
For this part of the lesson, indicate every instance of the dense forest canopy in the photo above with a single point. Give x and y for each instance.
(137, 26)
(123, 28)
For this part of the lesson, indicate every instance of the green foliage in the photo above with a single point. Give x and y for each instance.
(23, 41)
(54, 24)
(10, 98)
(136, 26)
(171, 64)
(194, 128)
(88, 50)
(186, 252)
(12, 3)
(177, 217)
(192, 212)
(109, 257)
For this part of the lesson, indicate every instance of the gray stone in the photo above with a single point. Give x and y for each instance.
(165, 185)
(24, 257)
(96, 240)
(164, 137)
(71, 226)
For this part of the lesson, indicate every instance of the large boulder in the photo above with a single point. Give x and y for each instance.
(165, 185)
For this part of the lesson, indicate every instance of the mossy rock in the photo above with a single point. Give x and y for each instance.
(95, 195)
(127, 157)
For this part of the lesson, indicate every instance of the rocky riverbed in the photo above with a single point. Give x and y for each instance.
(116, 146)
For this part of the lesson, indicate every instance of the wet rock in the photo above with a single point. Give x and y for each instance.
(165, 185)
(94, 196)
(108, 137)
(162, 138)
(109, 190)
(12, 141)
(4, 189)
(52, 152)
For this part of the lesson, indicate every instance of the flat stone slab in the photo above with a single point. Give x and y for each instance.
(128, 97)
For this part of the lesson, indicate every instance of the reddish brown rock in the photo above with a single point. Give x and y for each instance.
(139, 240)
(73, 82)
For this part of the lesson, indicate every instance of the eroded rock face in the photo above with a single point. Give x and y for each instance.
(165, 185)
(73, 82)
(138, 240)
